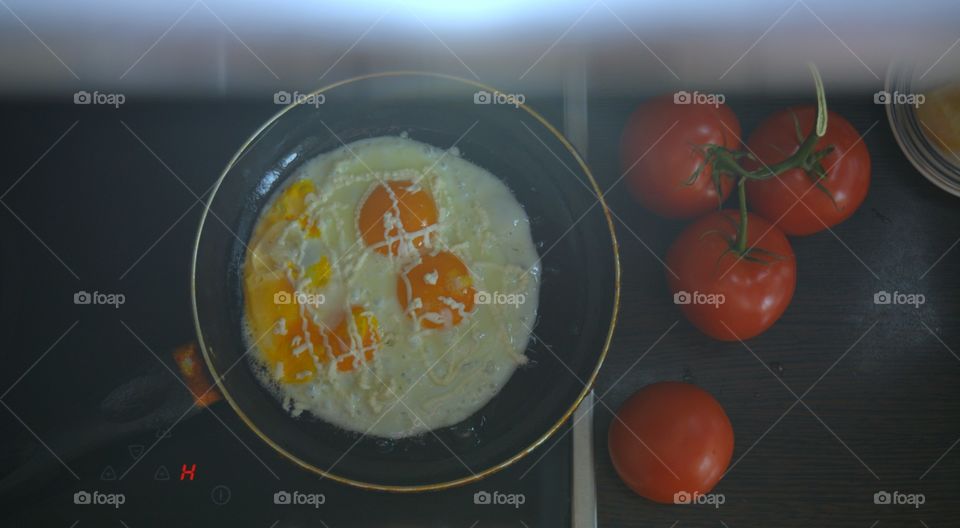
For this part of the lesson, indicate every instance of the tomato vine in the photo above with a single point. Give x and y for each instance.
(726, 161)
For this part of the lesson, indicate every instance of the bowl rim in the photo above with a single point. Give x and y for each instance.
(328, 473)
(900, 135)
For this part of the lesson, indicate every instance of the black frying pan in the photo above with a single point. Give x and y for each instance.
(571, 227)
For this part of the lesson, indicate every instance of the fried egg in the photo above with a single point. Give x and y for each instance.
(390, 288)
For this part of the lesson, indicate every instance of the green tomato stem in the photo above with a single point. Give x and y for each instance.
(727, 162)
(742, 230)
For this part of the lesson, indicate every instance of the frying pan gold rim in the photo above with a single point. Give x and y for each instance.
(424, 487)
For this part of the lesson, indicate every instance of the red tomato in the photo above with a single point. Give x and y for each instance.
(847, 169)
(728, 297)
(668, 438)
(657, 163)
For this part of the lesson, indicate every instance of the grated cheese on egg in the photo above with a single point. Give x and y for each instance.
(340, 345)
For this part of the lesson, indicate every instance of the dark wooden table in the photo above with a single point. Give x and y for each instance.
(882, 409)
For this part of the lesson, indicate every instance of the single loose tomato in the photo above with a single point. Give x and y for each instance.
(840, 192)
(659, 153)
(670, 438)
(727, 296)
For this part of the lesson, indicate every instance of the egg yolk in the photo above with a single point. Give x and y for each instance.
(291, 206)
(308, 226)
(292, 202)
(363, 337)
(320, 272)
(288, 337)
(395, 213)
(279, 330)
(438, 292)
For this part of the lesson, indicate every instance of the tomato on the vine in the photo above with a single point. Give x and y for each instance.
(726, 294)
(805, 200)
(662, 157)
(670, 438)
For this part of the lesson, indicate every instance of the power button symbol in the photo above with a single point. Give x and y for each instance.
(220, 495)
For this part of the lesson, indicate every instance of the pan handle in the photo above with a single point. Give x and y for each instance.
(156, 400)
(194, 374)
(178, 387)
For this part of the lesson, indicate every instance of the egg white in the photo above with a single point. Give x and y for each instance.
(419, 379)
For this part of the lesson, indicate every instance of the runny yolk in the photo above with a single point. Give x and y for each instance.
(320, 272)
(285, 334)
(438, 292)
(293, 344)
(308, 226)
(292, 202)
(342, 340)
(395, 213)
(279, 330)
